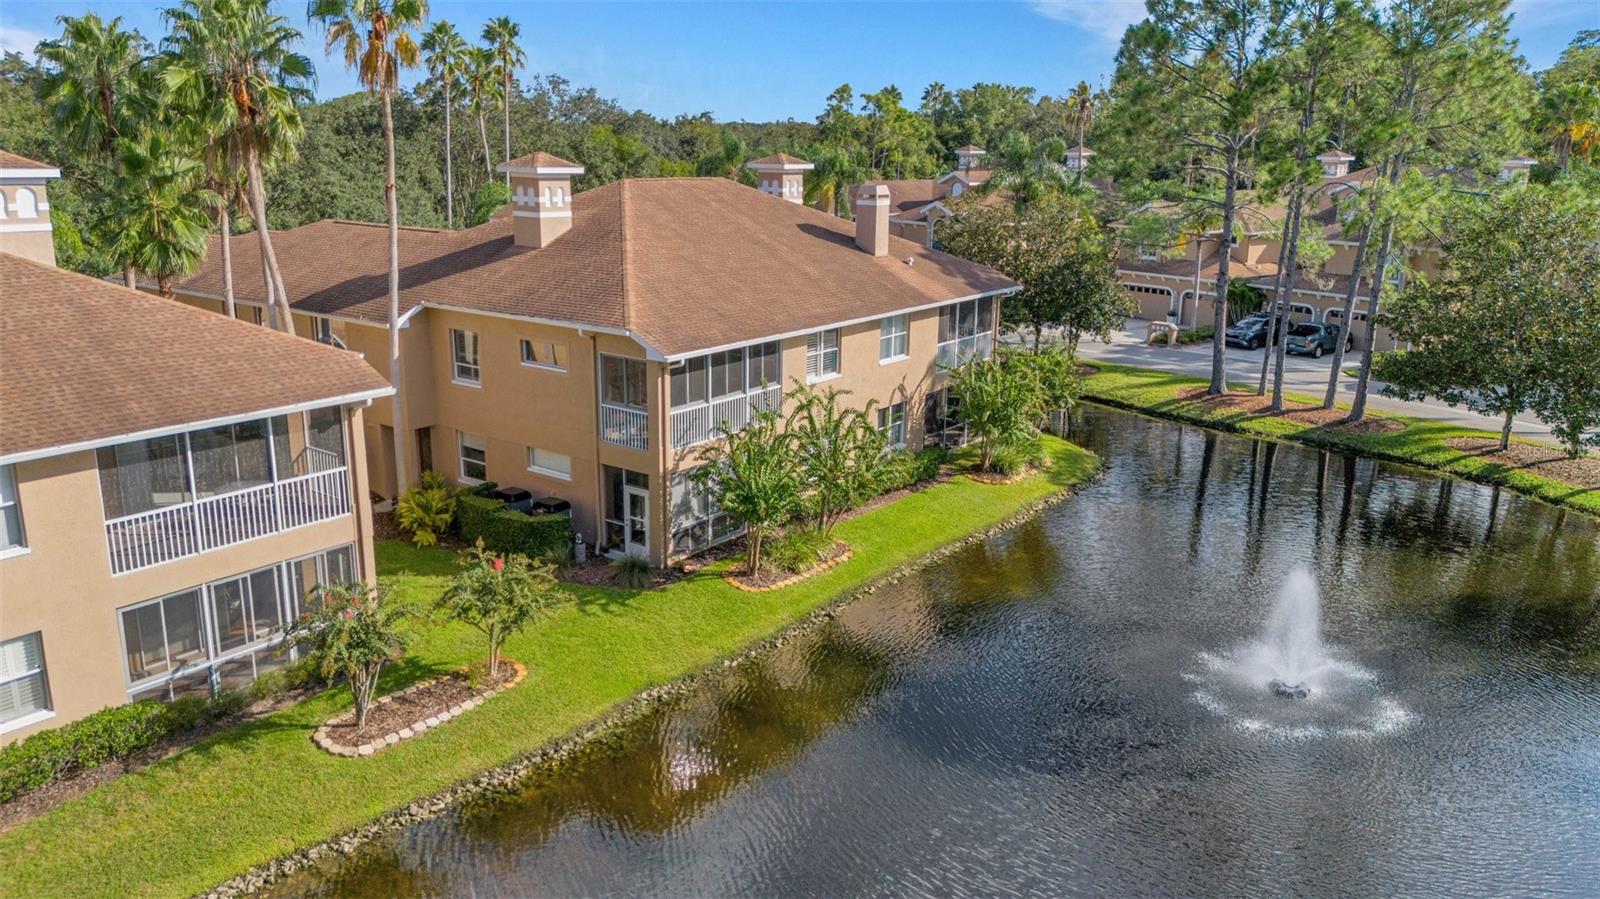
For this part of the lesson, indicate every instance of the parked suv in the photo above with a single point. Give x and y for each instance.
(1314, 339)
(1249, 332)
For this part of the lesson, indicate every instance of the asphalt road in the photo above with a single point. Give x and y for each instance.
(1301, 374)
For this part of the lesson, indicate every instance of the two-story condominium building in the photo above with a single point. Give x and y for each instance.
(587, 346)
(172, 484)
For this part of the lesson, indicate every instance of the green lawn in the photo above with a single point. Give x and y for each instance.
(1420, 442)
(261, 790)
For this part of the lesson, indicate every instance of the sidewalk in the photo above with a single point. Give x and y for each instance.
(1301, 374)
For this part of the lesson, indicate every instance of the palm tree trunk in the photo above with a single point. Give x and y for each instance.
(483, 135)
(129, 276)
(269, 258)
(401, 472)
(449, 164)
(223, 225)
(505, 103)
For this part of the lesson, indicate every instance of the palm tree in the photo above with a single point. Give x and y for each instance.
(445, 50)
(501, 35)
(96, 89)
(837, 170)
(1569, 114)
(1081, 109)
(1028, 173)
(236, 59)
(478, 69)
(155, 208)
(204, 127)
(375, 36)
(726, 161)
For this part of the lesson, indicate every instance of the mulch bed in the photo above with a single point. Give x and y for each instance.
(772, 580)
(1547, 461)
(401, 715)
(883, 499)
(385, 527)
(596, 571)
(1259, 406)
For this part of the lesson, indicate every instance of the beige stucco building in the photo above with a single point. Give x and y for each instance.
(172, 484)
(586, 346)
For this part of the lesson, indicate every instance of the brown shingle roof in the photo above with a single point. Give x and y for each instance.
(1184, 268)
(907, 195)
(86, 361)
(13, 161)
(684, 264)
(778, 159)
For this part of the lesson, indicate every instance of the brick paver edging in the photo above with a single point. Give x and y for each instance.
(325, 741)
(840, 558)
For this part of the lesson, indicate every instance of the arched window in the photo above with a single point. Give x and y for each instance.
(547, 197)
(27, 206)
(2, 204)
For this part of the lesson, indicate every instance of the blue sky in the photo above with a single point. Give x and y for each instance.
(748, 60)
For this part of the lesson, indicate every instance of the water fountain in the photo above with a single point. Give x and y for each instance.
(1288, 660)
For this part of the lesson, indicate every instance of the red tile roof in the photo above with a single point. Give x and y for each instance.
(86, 361)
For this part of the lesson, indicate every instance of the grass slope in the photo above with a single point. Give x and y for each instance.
(1421, 442)
(262, 789)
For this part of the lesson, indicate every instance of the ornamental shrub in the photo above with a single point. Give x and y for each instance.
(505, 530)
(801, 548)
(425, 511)
(903, 470)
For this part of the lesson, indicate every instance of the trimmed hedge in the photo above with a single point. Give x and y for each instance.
(507, 531)
(108, 734)
(909, 469)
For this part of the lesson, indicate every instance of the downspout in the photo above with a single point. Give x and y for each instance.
(599, 468)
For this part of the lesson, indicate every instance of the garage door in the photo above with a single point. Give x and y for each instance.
(1154, 302)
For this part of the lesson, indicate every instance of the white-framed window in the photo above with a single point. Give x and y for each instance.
(474, 457)
(464, 352)
(12, 539)
(322, 331)
(966, 329)
(822, 355)
(544, 354)
(892, 424)
(1145, 252)
(894, 337)
(24, 688)
(549, 464)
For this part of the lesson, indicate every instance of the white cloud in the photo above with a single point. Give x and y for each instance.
(1105, 19)
(18, 40)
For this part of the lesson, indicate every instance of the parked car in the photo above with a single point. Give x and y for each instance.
(1249, 332)
(1313, 339)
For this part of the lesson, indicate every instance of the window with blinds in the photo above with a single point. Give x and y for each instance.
(822, 354)
(24, 693)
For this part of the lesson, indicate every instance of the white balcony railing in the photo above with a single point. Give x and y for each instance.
(953, 353)
(625, 426)
(700, 422)
(172, 532)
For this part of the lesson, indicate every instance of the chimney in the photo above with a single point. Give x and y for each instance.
(781, 175)
(1516, 167)
(1078, 158)
(969, 158)
(1335, 163)
(25, 208)
(872, 218)
(541, 197)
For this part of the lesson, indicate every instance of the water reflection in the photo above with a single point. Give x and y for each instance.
(1016, 719)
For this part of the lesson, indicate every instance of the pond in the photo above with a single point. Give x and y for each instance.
(1050, 712)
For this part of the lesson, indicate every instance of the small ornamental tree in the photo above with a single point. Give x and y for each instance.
(1001, 404)
(838, 450)
(753, 474)
(351, 630)
(499, 595)
(425, 511)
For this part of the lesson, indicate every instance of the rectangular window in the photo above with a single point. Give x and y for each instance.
(622, 381)
(11, 536)
(544, 354)
(892, 424)
(474, 458)
(24, 690)
(966, 330)
(689, 381)
(763, 366)
(164, 636)
(894, 337)
(822, 354)
(464, 349)
(727, 373)
(336, 566)
(545, 462)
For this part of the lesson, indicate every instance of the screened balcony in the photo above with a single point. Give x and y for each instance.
(966, 331)
(723, 390)
(166, 498)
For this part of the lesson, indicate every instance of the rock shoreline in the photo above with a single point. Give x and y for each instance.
(509, 777)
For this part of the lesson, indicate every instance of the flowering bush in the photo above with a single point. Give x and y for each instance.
(499, 595)
(351, 630)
